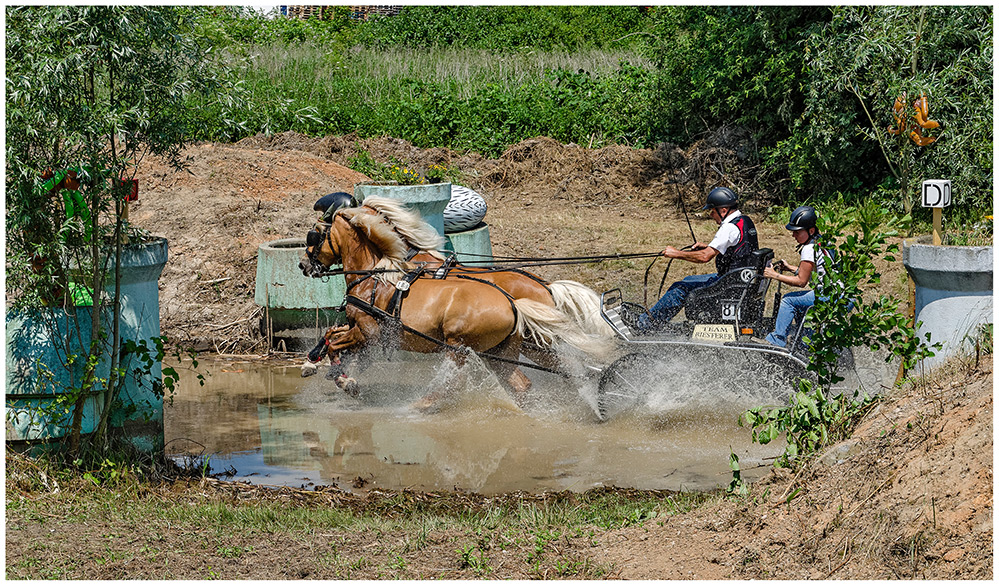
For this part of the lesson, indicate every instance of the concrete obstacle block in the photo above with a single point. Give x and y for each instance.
(472, 246)
(298, 309)
(428, 200)
(953, 294)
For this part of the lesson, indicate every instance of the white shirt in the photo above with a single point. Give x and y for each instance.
(727, 234)
(808, 255)
(816, 257)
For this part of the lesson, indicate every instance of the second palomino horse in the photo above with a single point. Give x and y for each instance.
(451, 315)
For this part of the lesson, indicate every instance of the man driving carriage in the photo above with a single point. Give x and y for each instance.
(731, 248)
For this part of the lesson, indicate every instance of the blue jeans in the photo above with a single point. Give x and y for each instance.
(792, 310)
(672, 302)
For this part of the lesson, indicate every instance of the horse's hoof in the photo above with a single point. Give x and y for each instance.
(426, 406)
(348, 385)
(309, 369)
(430, 403)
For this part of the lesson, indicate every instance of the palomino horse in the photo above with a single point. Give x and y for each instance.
(427, 314)
(570, 297)
(576, 300)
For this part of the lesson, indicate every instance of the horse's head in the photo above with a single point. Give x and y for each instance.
(362, 235)
(321, 251)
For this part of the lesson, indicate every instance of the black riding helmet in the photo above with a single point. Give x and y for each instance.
(721, 197)
(802, 218)
(330, 203)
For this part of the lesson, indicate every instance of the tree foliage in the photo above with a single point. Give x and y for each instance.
(858, 64)
(816, 86)
(90, 91)
(718, 65)
(504, 28)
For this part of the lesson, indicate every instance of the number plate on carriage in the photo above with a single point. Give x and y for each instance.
(730, 309)
(714, 333)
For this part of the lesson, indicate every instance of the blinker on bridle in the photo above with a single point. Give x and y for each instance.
(313, 239)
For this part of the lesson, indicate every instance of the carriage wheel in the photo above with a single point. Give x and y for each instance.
(622, 386)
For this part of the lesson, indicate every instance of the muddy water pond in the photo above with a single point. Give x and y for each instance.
(266, 424)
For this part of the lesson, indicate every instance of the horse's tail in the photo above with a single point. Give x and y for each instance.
(583, 304)
(545, 325)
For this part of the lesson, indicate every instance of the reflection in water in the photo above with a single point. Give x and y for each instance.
(274, 427)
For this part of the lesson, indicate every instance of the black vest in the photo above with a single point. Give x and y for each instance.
(738, 256)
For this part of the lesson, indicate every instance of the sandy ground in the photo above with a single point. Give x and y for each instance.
(909, 495)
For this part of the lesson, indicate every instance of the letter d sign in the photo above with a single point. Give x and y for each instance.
(936, 193)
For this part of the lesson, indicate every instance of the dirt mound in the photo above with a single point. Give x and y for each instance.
(215, 214)
(908, 496)
(342, 149)
(614, 176)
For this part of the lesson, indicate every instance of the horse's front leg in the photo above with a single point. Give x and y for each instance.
(336, 340)
(316, 355)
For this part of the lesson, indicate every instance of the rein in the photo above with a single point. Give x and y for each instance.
(540, 261)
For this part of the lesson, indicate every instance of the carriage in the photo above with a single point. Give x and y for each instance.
(724, 325)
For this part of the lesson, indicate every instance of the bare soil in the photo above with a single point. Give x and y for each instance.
(909, 495)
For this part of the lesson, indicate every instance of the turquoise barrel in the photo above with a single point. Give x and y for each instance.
(40, 367)
(428, 200)
(298, 309)
(472, 246)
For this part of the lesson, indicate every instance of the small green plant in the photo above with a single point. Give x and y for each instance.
(437, 173)
(738, 485)
(364, 163)
(842, 318)
(478, 564)
(108, 472)
(233, 551)
(396, 171)
(397, 563)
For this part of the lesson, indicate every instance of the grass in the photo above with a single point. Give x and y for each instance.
(455, 97)
(379, 70)
(383, 535)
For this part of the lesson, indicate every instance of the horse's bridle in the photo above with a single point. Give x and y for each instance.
(315, 238)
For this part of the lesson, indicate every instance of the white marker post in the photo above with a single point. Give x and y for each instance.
(936, 195)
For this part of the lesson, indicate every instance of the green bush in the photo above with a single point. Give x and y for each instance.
(505, 28)
(815, 416)
(718, 65)
(865, 58)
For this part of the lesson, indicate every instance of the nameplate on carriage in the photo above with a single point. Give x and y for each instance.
(714, 333)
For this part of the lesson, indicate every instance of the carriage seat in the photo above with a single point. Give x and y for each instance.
(739, 295)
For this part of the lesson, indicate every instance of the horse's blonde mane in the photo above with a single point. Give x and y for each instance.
(393, 230)
(413, 229)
